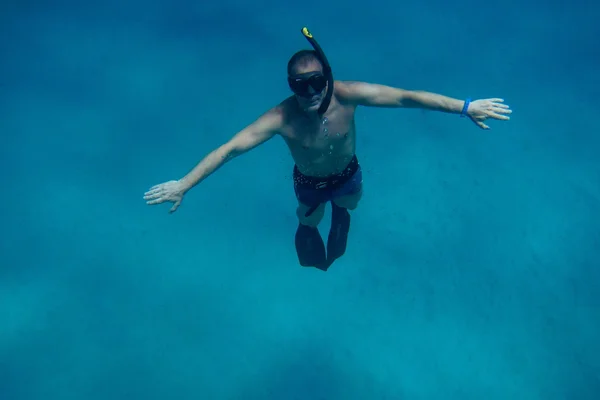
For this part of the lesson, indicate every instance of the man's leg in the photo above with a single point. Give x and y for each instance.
(349, 201)
(313, 219)
(350, 194)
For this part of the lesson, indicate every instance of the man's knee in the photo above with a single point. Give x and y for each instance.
(349, 201)
(313, 219)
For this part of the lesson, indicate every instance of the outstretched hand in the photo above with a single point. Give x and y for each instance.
(171, 191)
(480, 110)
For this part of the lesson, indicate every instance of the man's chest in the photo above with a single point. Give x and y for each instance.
(325, 134)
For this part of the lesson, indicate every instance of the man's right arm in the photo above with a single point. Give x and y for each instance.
(260, 131)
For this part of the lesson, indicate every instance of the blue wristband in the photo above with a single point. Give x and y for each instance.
(463, 113)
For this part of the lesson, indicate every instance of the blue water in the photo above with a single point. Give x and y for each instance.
(473, 265)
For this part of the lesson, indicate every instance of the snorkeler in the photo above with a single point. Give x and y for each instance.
(317, 123)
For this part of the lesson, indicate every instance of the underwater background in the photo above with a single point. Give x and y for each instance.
(473, 264)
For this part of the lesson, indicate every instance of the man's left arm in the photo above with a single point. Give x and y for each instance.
(375, 95)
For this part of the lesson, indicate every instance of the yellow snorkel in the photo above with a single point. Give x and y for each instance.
(326, 69)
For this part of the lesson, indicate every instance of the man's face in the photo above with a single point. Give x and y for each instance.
(309, 86)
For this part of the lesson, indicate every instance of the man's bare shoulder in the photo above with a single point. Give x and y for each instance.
(287, 109)
(346, 91)
(278, 116)
(347, 85)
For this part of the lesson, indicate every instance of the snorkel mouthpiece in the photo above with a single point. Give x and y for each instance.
(326, 69)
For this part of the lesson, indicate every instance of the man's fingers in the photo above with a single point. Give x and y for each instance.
(152, 192)
(155, 187)
(495, 100)
(152, 196)
(498, 116)
(175, 206)
(501, 110)
(155, 201)
(479, 123)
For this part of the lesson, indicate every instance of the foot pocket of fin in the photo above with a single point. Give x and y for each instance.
(310, 247)
(338, 235)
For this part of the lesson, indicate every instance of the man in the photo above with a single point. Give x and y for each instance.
(317, 124)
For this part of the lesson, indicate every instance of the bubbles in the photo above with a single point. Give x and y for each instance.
(325, 121)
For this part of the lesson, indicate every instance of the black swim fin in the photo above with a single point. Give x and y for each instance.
(310, 247)
(338, 234)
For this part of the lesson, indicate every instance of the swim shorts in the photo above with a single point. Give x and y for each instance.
(312, 191)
